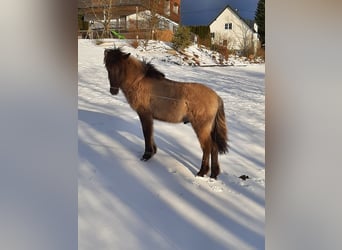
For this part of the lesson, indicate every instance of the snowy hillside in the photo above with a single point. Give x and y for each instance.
(194, 55)
(125, 203)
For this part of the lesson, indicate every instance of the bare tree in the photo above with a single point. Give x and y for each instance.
(245, 38)
(227, 41)
(101, 11)
(148, 14)
(237, 36)
(151, 17)
(107, 16)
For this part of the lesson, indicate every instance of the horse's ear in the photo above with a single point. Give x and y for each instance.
(126, 55)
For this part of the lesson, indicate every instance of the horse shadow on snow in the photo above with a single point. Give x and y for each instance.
(114, 127)
(131, 190)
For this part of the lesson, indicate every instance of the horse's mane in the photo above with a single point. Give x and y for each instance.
(151, 71)
(114, 56)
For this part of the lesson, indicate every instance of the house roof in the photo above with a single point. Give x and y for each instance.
(234, 12)
(210, 16)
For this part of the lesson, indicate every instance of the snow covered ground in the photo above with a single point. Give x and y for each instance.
(125, 203)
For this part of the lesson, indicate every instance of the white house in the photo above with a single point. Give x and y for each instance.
(143, 16)
(229, 29)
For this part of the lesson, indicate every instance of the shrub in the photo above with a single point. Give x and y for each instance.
(261, 53)
(182, 38)
(203, 33)
(164, 35)
(135, 43)
(99, 41)
(223, 50)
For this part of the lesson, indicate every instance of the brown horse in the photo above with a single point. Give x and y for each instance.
(153, 96)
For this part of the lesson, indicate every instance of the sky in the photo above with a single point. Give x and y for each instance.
(202, 12)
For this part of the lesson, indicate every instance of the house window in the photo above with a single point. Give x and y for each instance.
(122, 22)
(167, 7)
(212, 34)
(162, 24)
(228, 26)
(175, 8)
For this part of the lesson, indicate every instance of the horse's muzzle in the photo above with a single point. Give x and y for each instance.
(114, 91)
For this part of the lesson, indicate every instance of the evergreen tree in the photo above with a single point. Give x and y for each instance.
(203, 33)
(260, 20)
(182, 38)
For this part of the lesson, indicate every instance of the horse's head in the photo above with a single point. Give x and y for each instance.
(114, 61)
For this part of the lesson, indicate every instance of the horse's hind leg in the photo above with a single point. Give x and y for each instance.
(147, 127)
(215, 167)
(205, 163)
(203, 134)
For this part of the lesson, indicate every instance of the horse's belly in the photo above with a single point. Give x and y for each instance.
(169, 111)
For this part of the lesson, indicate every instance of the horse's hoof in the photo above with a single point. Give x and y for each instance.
(213, 177)
(203, 171)
(201, 174)
(146, 157)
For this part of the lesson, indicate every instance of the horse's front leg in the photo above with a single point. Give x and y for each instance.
(147, 127)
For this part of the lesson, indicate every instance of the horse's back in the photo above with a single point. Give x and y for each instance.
(173, 101)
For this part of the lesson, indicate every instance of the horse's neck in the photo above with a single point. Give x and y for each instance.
(133, 71)
(130, 85)
(133, 78)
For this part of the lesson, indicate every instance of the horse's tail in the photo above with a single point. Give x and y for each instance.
(219, 130)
